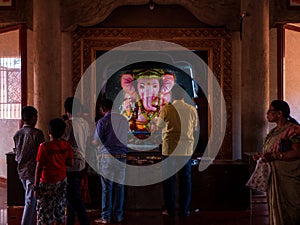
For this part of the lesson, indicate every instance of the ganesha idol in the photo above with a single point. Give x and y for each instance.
(146, 92)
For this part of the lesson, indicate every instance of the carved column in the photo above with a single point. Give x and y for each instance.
(47, 60)
(255, 74)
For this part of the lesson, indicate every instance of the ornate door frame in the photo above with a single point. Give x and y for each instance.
(217, 41)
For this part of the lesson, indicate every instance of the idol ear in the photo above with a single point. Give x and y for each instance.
(127, 85)
(167, 83)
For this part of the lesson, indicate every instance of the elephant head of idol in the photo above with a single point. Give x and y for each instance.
(151, 88)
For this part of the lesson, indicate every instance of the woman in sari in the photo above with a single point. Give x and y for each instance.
(282, 149)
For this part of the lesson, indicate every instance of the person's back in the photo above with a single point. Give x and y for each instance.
(112, 130)
(111, 133)
(52, 155)
(178, 121)
(188, 122)
(27, 141)
(50, 175)
(77, 133)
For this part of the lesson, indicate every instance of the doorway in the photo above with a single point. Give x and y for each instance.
(12, 85)
(289, 79)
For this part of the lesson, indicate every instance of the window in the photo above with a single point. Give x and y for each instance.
(10, 88)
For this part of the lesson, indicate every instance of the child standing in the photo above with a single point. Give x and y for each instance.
(50, 175)
(27, 141)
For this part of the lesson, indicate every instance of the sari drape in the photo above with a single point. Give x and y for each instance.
(283, 193)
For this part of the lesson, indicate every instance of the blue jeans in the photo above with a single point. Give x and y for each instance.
(75, 205)
(30, 202)
(185, 187)
(112, 192)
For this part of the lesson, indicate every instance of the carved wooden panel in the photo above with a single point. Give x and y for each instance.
(218, 41)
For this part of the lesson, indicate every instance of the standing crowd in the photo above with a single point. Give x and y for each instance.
(51, 172)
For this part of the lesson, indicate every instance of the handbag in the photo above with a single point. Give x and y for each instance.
(260, 177)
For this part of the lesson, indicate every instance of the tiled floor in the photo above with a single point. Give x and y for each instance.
(257, 215)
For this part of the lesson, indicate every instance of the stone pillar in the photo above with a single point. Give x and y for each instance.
(47, 61)
(255, 73)
(66, 67)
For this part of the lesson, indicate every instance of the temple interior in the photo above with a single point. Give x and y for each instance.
(233, 57)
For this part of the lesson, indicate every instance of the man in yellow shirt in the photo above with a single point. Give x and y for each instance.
(178, 121)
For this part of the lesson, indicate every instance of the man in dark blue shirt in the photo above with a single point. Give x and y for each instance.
(111, 133)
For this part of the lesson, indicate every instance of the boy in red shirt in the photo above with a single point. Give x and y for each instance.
(50, 175)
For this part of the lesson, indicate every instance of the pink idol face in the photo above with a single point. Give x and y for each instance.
(148, 87)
